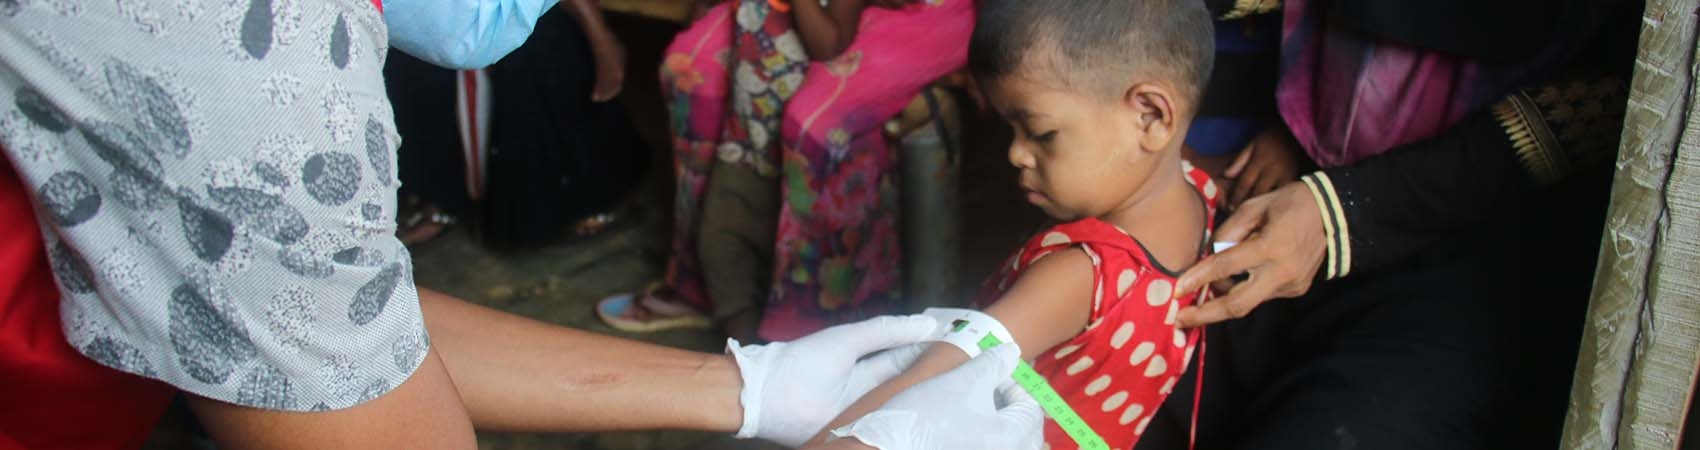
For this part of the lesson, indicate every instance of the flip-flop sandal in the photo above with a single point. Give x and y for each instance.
(602, 224)
(663, 315)
(596, 223)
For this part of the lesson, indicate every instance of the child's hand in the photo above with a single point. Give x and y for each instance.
(968, 84)
(700, 8)
(610, 58)
(891, 4)
(1271, 160)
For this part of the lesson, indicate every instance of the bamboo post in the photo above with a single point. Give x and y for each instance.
(1635, 375)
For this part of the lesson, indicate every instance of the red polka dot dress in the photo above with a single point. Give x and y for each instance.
(1118, 371)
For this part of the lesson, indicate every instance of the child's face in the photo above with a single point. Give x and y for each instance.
(1079, 156)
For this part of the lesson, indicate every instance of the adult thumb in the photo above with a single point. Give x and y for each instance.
(879, 333)
(987, 371)
(884, 365)
(1020, 411)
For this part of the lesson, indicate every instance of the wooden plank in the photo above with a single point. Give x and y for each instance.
(1632, 360)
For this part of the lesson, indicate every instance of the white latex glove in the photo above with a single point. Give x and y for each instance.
(956, 410)
(793, 389)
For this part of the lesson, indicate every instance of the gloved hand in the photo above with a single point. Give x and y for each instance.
(793, 389)
(955, 410)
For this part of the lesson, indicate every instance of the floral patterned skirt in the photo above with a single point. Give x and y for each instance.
(742, 92)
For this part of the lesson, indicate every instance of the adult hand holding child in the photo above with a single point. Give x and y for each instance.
(1282, 242)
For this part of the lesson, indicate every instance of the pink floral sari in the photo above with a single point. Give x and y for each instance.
(837, 255)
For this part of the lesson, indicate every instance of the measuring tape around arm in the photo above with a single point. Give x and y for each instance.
(973, 332)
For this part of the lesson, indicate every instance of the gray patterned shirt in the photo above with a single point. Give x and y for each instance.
(216, 181)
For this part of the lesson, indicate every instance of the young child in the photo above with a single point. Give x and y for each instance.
(1100, 94)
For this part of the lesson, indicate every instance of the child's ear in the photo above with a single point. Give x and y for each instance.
(1154, 114)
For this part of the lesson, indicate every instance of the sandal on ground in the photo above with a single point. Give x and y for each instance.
(650, 311)
(596, 223)
(424, 224)
(601, 224)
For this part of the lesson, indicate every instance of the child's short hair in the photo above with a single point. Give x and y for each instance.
(1095, 44)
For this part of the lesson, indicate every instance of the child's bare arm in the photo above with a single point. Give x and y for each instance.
(826, 30)
(1047, 306)
(609, 54)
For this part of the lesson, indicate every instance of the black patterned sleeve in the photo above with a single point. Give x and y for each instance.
(1389, 206)
(1236, 9)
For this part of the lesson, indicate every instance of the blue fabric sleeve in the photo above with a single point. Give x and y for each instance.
(1240, 99)
(1218, 136)
(461, 34)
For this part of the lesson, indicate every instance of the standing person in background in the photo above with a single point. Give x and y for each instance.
(564, 154)
(568, 155)
(786, 204)
(215, 191)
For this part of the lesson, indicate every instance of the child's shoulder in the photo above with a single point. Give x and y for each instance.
(1099, 239)
(1090, 231)
(1093, 231)
(1206, 186)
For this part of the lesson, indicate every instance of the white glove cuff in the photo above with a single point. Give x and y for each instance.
(755, 381)
(880, 429)
(966, 328)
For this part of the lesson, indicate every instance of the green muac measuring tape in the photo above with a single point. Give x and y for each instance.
(973, 332)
